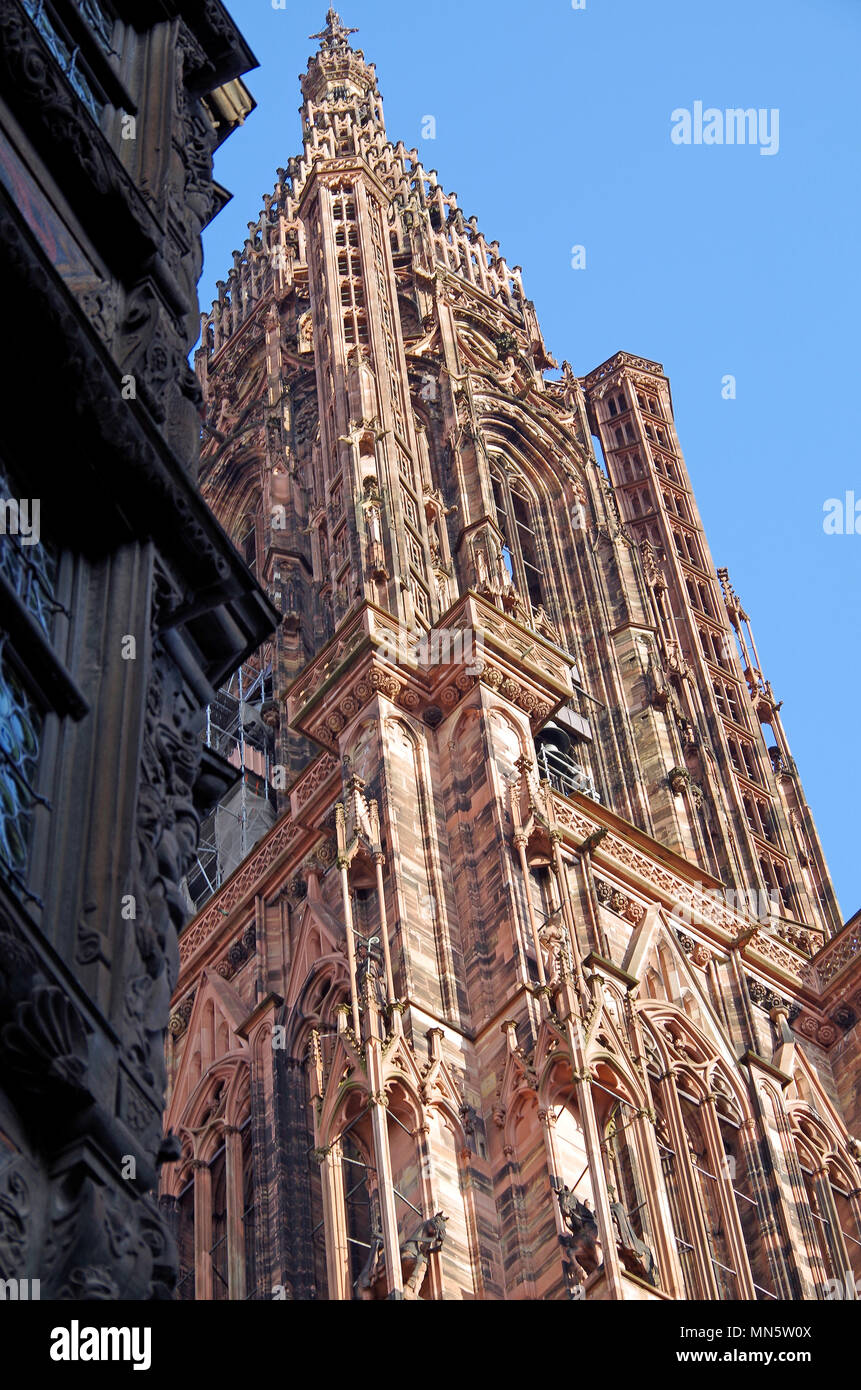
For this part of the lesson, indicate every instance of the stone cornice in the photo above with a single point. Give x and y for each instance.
(365, 660)
(618, 361)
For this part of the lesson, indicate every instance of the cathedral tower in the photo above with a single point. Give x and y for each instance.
(537, 987)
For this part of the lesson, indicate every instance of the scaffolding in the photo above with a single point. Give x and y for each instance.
(236, 731)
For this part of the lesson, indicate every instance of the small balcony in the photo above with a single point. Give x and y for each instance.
(558, 766)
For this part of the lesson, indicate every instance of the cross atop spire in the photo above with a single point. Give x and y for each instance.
(334, 36)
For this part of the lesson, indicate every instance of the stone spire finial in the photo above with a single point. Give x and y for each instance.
(335, 35)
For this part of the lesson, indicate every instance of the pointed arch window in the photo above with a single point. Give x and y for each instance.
(623, 1169)
(215, 1221)
(715, 1204)
(707, 1193)
(516, 518)
(246, 539)
(680, 1222)
(835, 1209)
(218, 1252)
(736, 1164)
(360, 1214)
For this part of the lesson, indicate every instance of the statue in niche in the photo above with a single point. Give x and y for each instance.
(582, 1246)
(370, 971)
(434, 535)
(291, 594)
(372, 507)
(485, 583)
(306, 333)
(442, 591)
(635, 1255)
(414, 1255)
(324, 554)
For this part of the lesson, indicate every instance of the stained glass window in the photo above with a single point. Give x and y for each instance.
(20, 728)
(66, 55)
(30, 570)
(98, 20)
(29, 567)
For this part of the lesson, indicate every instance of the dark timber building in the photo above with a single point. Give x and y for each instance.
(122, 604)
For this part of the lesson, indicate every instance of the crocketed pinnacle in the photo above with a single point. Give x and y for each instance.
(334, 38)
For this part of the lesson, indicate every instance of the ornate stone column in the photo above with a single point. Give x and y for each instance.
(343, 869)
(388, 1215)
(379, 861)
(520, 842)
(567, 908)
(202, 1230)
(335, 1223)
(234, 1177)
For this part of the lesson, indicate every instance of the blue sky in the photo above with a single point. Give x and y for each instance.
(553, 126)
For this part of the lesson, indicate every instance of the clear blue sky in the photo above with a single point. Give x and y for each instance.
(553, 126)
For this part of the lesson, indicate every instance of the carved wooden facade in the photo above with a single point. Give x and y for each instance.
(495, 1010)
(117, 617)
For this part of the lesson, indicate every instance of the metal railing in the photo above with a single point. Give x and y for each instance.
(564, 774)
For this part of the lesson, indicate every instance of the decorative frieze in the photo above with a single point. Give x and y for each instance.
(618, 902)
(240, 887)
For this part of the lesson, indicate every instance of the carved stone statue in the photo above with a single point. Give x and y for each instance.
(635, 1255)
(417, 1252)
(583, 1245)
(415, 1258)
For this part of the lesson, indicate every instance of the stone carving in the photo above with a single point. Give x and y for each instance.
(15, 1210)
(582, 1246)
(633, 1252)
(168, 827)
(618, 902)
(839, 953)
(416, 1253)
(415, 1257)
(57, 120)
(46, 1045)
(769, 999)
(90, 1284)
(679, 778)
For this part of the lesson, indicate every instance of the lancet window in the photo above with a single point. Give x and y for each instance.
(215, 1215)
(516, 518)
(714, 1204)
(834, 1202)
